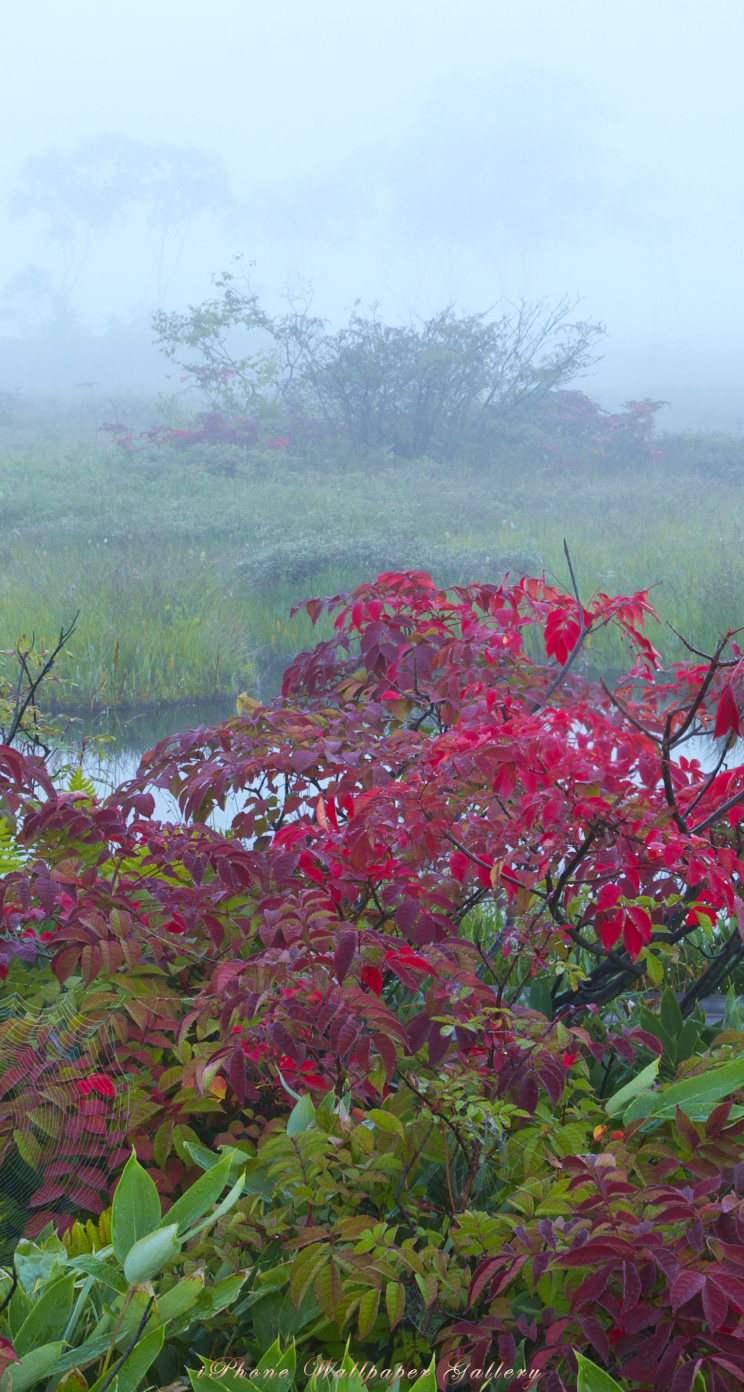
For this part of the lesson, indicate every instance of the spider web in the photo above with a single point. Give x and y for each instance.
(57, 1132)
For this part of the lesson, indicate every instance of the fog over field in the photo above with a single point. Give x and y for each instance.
(405, 155)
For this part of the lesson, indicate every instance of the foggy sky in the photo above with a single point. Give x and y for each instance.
(412, 153)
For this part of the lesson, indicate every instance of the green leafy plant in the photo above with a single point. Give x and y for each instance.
(112, 1309)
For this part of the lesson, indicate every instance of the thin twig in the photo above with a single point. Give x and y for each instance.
(130, 1346)
(35, 683)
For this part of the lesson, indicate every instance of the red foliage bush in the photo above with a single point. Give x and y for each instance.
(417, 765)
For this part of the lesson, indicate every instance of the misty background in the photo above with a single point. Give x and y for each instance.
(407, 156)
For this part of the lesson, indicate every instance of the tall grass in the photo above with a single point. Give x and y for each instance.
(149, 550)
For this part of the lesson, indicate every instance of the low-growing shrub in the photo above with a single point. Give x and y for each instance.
(294, 562)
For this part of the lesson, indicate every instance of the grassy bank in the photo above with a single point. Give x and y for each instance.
(184, 567)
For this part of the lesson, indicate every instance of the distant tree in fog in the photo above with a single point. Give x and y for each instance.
(32, 301)
(83, 195)
(499, 166)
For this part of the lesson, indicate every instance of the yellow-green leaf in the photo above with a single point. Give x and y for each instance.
(395, 1302)
(368, 1307)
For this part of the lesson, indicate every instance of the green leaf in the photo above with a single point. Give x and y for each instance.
(687, 1039)
(132, 1372)
(386, 1121)
(93, 1348)
(33, 1367)
(368, 1307)
(395, 1302)
(696, 1097)
(653, 1025)
(200, 1197)
(216, 1298)
(180, 1298)
(594, 1379)
(671, 1015)
(276, 1363)
(201, 1155)
(625, 1094)
(46, 1321)
(136, 1208)
(302, 1116)
(540, 998)
(428, 1380)
(654, 969)
(39, 1263)
(218, 1380)
(162, 1143)
(103, 1272)
(18, 1310)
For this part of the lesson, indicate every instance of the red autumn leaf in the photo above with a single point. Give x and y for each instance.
(715, 1306)
(96, 1082)
(608, 896)
(685, 1287)
(642, 921)
(611, 930)
(372, 977)
(459, 865)
(728, 720)
(175, 924)
(408, 958)
(309, 868)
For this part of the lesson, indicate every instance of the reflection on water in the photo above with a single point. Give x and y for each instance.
(128, 736)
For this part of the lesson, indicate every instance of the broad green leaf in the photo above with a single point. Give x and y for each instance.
(386, 1121)
(151, 1254)
(93, 1348)
(368, 1307)
(696, 1097)
(395, 1302)
(671, 1015)
(594, 1379)
(136, 1208)
(35, 1365)
(639, 1084)
(180, 1298)
(652, 1025)
(279, 1362)
(207, 1159)
(39, 1263)
(428, 1380)
(132, 1371)
(19, 1309)
(216, 1298)
(687, 1039)
(654, 969)
(46, 1321)
(201, 1155)
(102, 1270)
(540, 998)
(227, 1203)
(302, 1116)
(200, 1197)
(162, 1143)
(325, 1372)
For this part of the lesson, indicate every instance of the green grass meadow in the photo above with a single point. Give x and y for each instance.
(160, 552)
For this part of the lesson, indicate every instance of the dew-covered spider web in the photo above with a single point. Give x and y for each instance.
(64, 1108)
